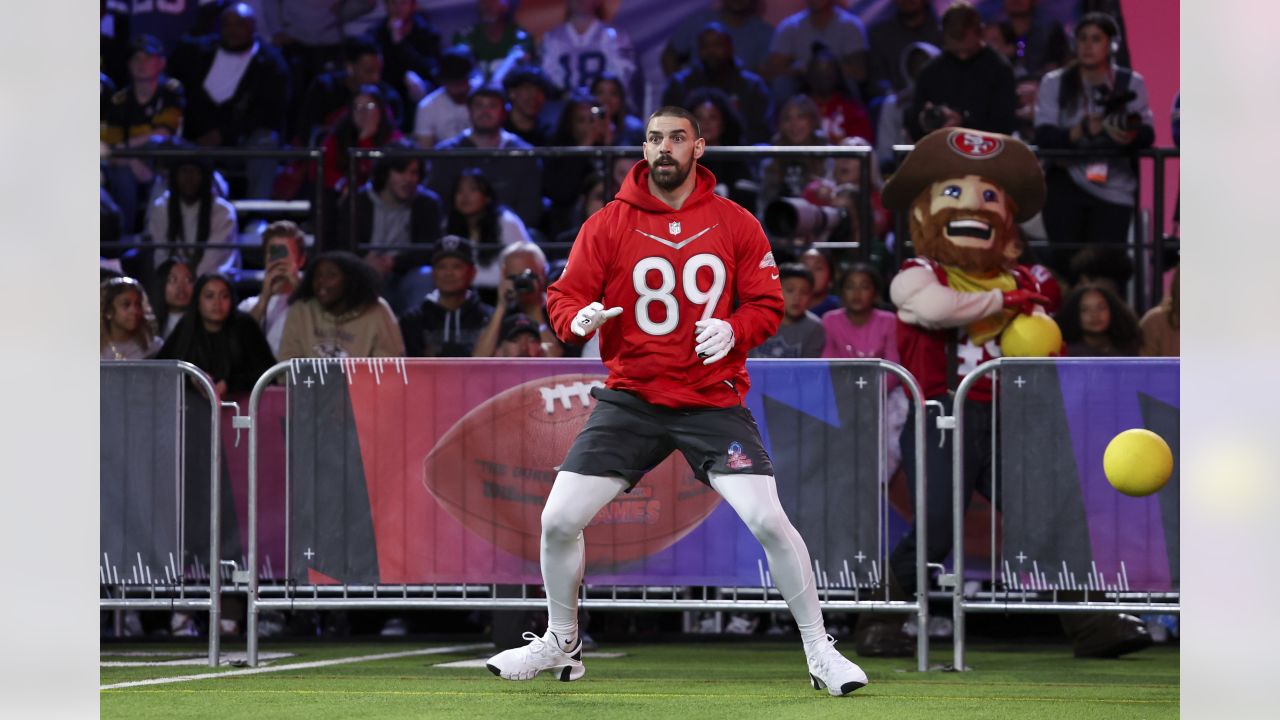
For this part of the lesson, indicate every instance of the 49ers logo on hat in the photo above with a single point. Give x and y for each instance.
(974, 145)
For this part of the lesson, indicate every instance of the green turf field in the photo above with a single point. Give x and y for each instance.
(689, 681)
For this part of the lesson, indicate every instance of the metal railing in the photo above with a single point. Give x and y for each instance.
(294, 596)
(1043, 597)
(172, 592)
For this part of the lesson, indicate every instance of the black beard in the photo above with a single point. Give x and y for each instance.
(674, 181)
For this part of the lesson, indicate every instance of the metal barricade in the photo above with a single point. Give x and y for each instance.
(143, 499)
(410, 485)
(1081, 546)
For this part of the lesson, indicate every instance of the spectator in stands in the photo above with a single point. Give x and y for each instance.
(450, 318)
(192, 212)
(366, 124)
(821, 301)
(721, 125)
(443, 112)
(219, 339)
(843, 189)
(800, 335)
(859, 329)
(496, 39)
(126, 325)
(821, 23)
(521, 337)
(1039, 45)
(395, 212)
(799, 123)
(516, 180)
(523, 290)
(527, 89)
(913, 22)
(575, 53)
(1092, 104)
(842, 115)
(590, 199)
(410, 53)
(717, 66)
(285, 255)
(968, 85)
(611, 95)
(336, 312)
(891, 126)
(1097, 323)
(582, 123)
(237, 93)
(330, 94)
(1161, 326)
(1106, 265)
(750, 34)
(476, 213)
(148, 110)
(171, 295)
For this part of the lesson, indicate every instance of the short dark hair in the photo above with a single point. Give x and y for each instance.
(1100, 20)
(869, 270)
(796, 270)
(674, 111)
(383, 166)
(959, 17)
(357, 47)
(486, 90)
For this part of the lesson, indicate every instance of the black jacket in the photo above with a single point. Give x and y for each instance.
(238, 354)
(980, 88)
(261, 99)
(431, 331)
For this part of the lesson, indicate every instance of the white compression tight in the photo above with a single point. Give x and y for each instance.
(575, 499)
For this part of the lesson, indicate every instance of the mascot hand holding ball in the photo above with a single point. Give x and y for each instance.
(959, 305)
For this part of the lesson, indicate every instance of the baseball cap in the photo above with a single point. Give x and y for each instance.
(149, 44)
(518, 323)
(454, 246)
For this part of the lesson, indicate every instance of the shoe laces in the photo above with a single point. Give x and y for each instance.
(824, 656)
(538, 647)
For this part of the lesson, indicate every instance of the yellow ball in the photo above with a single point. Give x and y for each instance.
(1031, 336)
(1137, 462)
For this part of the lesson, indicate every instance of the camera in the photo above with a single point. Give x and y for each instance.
(524, 282)
(796, 217)
(1115, 107)
(935, 117)
(276, 252)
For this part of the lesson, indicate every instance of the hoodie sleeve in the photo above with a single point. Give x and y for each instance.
(756, 288)
(582, 281)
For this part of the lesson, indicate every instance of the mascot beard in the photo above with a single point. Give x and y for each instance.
(929, 233)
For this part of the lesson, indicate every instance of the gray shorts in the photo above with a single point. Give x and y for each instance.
(627, 436)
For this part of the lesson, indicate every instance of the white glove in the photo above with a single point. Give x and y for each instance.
(715, 339)
(591, 317)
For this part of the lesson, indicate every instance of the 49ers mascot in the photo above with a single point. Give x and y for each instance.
(965, 191)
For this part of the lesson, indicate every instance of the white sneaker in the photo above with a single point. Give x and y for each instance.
(542, 653)
(833, 671)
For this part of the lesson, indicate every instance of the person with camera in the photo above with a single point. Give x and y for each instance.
(1091, 104)
(284, 255)
(523, 290)
(969, 84)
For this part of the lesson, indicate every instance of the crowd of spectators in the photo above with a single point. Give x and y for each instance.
(428, 256)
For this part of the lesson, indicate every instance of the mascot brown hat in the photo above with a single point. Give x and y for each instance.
(956, 152)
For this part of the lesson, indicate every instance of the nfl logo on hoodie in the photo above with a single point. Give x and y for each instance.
(674, 228)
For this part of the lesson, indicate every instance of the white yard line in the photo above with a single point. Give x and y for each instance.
(298, 666)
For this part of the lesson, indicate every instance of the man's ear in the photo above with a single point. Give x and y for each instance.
(699, 147)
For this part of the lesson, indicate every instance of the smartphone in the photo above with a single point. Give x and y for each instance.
(276, 252)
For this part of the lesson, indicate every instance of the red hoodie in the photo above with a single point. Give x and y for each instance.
(667, 269)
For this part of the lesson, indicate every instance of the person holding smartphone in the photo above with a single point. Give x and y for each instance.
(284, 255)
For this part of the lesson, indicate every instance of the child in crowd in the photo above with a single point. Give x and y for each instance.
(800, 335)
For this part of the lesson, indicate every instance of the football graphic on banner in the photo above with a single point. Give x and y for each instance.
(494, 468)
